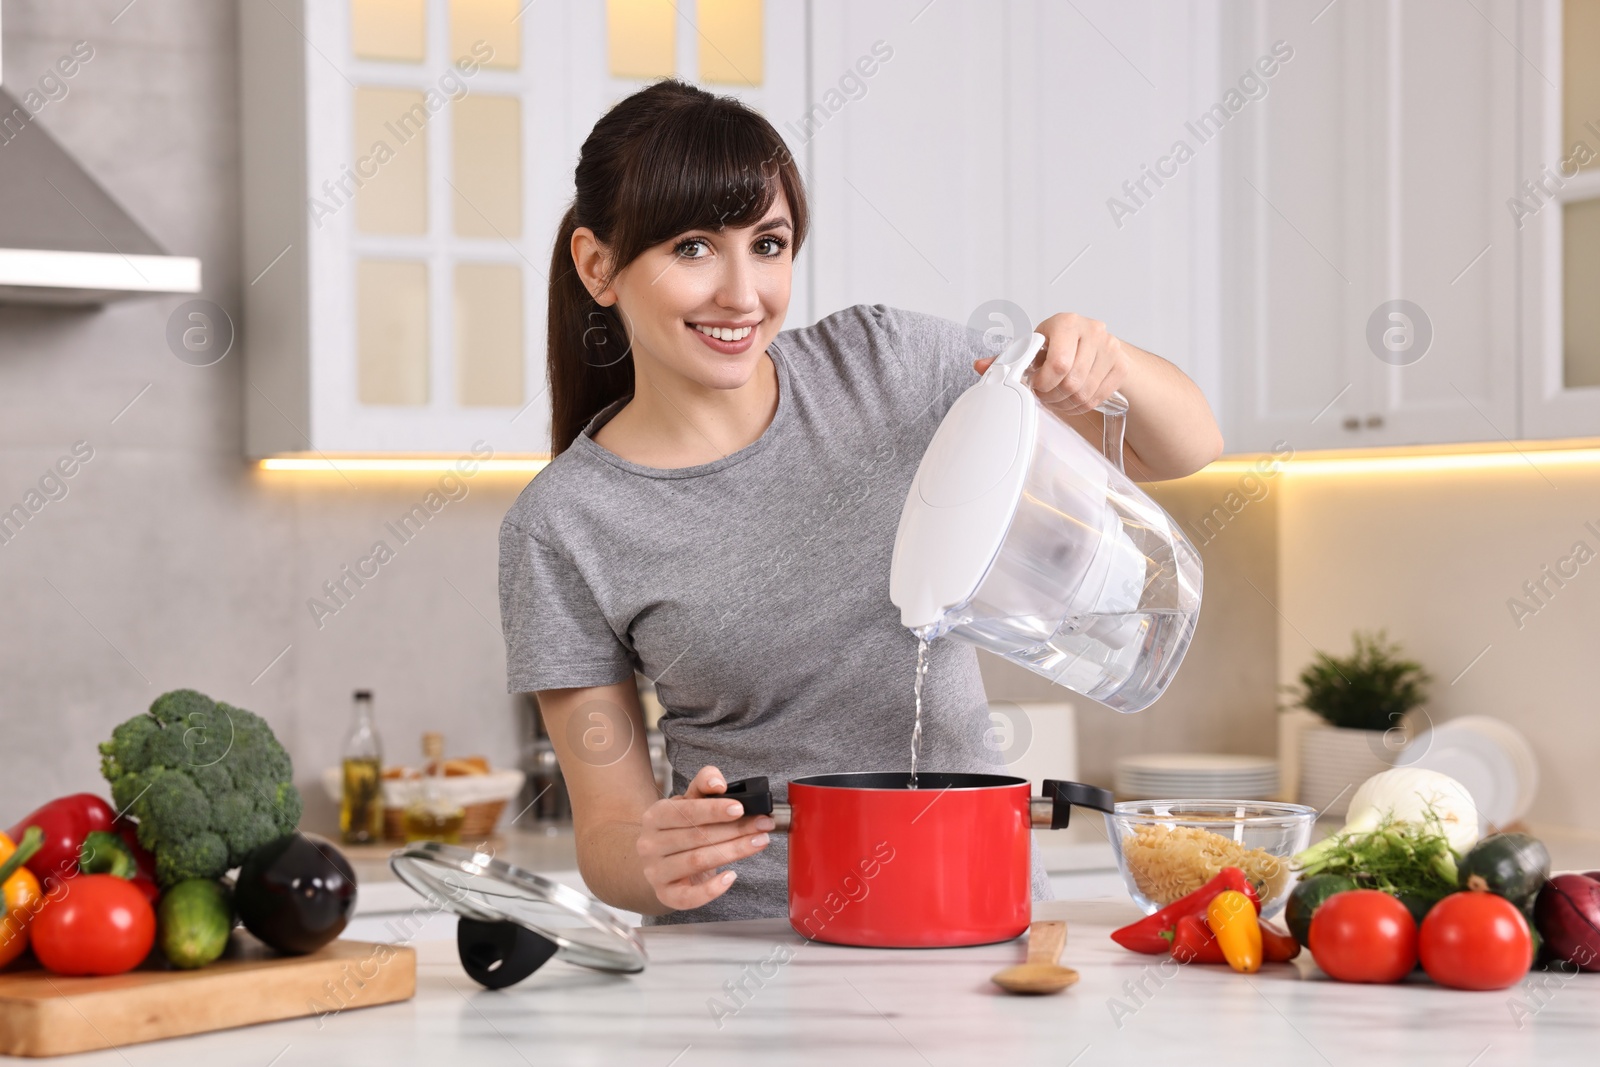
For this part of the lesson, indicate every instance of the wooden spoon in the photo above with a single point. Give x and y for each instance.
(1041, 974)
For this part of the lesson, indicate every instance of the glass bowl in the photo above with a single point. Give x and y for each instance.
(1168, 848)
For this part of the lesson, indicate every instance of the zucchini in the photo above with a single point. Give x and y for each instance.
(1514, 866)
(1419, 904)
(1308, 895)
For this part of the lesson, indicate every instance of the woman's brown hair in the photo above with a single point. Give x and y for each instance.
(667, 159)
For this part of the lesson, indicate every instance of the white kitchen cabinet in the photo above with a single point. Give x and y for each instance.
(1372, 164)
(1556, 201)
(400, 203)
(1375, 169)
(976, 164)
(955, 153)
(904, 170)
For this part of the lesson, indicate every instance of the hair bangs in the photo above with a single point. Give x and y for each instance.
(704, 168)
(667, 160)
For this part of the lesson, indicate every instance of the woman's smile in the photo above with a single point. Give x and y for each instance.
(728, 338)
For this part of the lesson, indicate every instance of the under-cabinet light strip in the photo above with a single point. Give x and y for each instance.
(1305, 463)
(1325, 464)
(402, 464)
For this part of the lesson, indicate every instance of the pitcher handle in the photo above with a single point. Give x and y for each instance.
(1115, 417)
(1015, 363)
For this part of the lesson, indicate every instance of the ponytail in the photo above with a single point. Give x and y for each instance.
(589, 362)
(668, 159)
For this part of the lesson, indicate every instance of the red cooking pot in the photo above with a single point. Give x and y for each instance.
(874, 863)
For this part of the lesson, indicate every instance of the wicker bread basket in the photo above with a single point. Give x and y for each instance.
(479, 822)
(482, 796)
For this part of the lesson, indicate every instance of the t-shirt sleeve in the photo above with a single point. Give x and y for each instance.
(935, 356)
(556, 635)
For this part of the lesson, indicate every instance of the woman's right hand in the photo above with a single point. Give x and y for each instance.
(684, 839)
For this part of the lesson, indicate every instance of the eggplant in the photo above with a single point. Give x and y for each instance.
(296, 893)
(1567, 914)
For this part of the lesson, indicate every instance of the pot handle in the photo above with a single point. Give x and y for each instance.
(1054, 809)
(756, 796)
(754, 793)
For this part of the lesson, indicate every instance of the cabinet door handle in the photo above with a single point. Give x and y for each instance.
(1374, 421)
(1351, 423)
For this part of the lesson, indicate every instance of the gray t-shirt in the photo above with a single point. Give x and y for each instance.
(754, 589)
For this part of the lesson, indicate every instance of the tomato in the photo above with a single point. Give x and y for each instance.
(94, 924)
(1475, 941)
(1364, 935)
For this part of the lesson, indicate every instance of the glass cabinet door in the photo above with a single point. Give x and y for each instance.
(411, 202)
(1556, 205)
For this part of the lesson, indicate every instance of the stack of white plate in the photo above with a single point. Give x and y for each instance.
(1490, 757)
(1197, 776)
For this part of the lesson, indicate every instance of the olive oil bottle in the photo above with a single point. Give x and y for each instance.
(431, 815)
(361, 805)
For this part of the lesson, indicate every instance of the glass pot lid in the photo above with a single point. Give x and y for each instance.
(478, 887)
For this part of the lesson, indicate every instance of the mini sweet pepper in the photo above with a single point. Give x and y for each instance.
(1153, 934)
(1238, 930)
(19, 892)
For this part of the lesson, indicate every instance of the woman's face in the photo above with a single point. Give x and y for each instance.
(705, 304)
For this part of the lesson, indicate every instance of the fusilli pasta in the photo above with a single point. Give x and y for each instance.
(1169, 862)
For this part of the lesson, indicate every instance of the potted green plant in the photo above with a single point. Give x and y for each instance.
(1357, 700)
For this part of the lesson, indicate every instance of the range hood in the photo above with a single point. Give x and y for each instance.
(63, 239)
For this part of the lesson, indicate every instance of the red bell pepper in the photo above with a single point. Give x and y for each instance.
(1193, 942)
(65, 822)
(1153, 934)
(1277, 946)
(128, 830)
(105, 852)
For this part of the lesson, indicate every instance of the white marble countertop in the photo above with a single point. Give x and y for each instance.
(845, 1006)
(837, 1006)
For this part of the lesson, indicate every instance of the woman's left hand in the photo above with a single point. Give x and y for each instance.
(1081, 364)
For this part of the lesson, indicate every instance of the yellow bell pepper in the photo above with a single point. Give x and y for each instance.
(1232, 918)
(19, 893)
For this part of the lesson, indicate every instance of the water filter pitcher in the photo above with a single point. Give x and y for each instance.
(1021, 538)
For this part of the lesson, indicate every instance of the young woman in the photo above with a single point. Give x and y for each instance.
(721, 508)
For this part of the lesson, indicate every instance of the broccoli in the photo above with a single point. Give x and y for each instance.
(208, 782)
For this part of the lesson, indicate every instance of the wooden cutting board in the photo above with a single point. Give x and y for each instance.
(44, 1014)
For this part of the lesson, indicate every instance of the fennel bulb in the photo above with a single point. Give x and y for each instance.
(1410, 795)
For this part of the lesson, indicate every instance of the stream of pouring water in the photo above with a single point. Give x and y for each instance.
(916, 729)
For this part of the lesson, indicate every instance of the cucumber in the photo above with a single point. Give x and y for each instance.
(194, 920)
(1514, 866)
(1307, 897)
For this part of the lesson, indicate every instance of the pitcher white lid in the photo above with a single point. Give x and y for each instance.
(965, 492)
